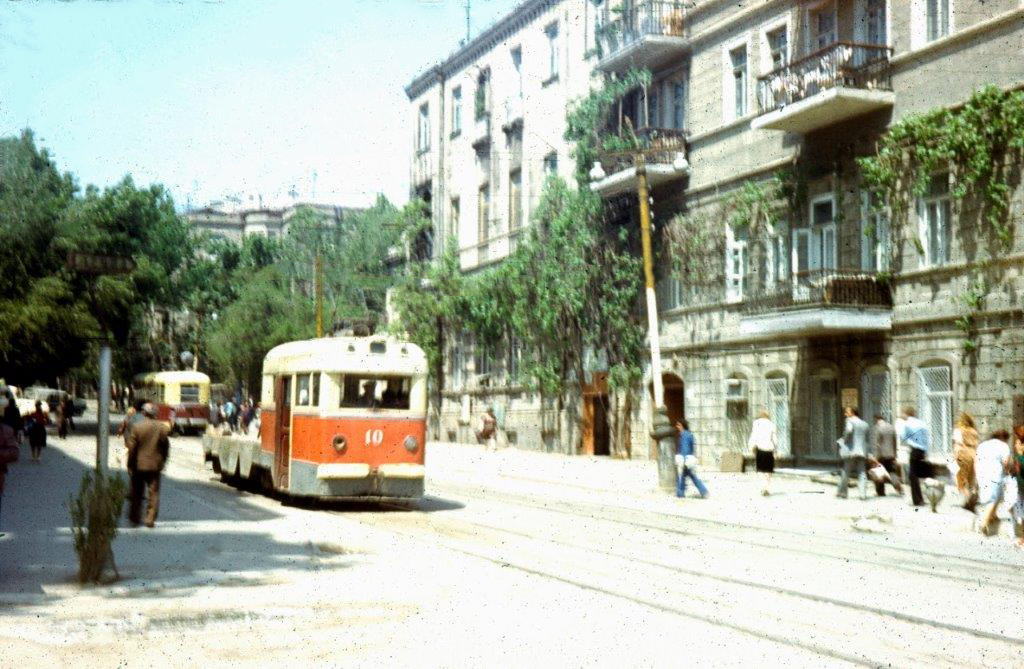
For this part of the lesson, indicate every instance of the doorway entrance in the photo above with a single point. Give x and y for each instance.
(282, 430)
(596, 433)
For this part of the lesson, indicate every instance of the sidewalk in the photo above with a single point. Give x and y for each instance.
(797, 503)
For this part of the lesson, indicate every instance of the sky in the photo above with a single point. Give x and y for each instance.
(236, 97)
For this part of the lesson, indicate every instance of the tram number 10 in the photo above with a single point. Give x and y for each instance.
(374, 437)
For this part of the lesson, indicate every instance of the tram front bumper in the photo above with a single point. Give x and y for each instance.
(347, 479)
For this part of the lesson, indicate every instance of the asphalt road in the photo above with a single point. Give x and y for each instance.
(503, 575)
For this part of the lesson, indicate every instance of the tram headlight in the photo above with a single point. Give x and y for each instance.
(411, 444)
(339, 443)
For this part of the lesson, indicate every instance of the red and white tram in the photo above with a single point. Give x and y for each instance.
(341, 417)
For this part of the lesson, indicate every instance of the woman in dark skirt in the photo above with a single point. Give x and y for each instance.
(763, 440)
(37, 431)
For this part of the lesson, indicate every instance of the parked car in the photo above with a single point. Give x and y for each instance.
(52, 397)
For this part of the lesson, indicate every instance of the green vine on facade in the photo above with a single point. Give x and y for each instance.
(586, 122)
(980, 145)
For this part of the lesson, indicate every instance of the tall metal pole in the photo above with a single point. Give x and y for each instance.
(319, 279)
(652, 304)
(103, 431)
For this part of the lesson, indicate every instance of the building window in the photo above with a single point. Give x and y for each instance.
(654, 106)
(936, 19)
(423, 129)
(457, 360)
(777, 256)
(735, 263)
(515, 199)
(935, 405)
(517, 65)
(551, 32)
(483, 359)
(457, 110)
(669, 293)
(875, 234)
(455, 215)
(551, 165)
(877, 31)
(778, 47)
(481, 100)
(738, 59)
(814, 247)
(483, 213)
(514, 352)
(678, 105)
(934, 211)
(823, 26)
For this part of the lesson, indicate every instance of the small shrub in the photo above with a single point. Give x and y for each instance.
(94, 514)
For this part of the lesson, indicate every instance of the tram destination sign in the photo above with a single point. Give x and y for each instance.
(95, 263)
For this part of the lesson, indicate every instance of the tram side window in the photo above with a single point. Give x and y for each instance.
(316, 389)
(375, 392)
(151, 393)
(302, 390)
(190, 392)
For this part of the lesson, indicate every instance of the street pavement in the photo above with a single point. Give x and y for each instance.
(513, 558)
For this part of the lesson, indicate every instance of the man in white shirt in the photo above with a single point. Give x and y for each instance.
(914, 434)
(855, 455)
(990, 469)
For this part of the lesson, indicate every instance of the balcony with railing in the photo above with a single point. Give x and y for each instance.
(643, 35)
(481, 133)
(830, 85)
(664, 157)
(820, 302)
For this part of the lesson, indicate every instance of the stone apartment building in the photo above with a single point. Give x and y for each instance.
(271, 222)
(827, 302)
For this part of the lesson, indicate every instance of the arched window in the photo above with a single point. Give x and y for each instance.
(935, 404)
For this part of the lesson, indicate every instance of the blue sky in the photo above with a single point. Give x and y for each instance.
(238, 96)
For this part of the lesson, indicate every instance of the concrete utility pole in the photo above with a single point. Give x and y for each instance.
(652, 303)
(103, 431)
(319, 288)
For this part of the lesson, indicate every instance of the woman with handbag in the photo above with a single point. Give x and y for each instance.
(37, 431)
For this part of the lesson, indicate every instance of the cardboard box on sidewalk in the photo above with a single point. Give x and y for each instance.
(731, 461)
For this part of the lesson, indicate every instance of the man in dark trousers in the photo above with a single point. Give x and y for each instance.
(148, 446)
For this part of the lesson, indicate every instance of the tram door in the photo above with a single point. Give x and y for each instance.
(282, 430)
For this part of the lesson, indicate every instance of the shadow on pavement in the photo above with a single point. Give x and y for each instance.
(204, 535)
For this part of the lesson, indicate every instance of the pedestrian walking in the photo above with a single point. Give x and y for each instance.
(12, 415)
(965, 446)
(914, 434)
(883, 446)
(764, 440)
(148, 448)
(990, 466)
(1017, 470)
(230, 414)
(488, 432)
(855, 454)
(36, 430)
(9, 443)
(686, 461)
(247, 416)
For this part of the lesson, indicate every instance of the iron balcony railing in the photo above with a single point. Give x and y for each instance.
(643, 19)
(822, 288)
(659, 145)
(843, 64)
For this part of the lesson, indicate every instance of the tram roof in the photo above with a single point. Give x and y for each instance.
(374, 355)
(185, 376)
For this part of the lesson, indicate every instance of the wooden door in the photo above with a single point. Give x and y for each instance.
(282, 430)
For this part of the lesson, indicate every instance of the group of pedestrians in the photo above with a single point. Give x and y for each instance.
(238, 418)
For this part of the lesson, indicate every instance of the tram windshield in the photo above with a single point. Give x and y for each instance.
(375, 392)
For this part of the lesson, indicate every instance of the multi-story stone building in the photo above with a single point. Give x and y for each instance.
(827, 299)
(236, 224)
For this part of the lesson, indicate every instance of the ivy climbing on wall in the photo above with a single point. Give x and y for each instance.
(980, 143)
